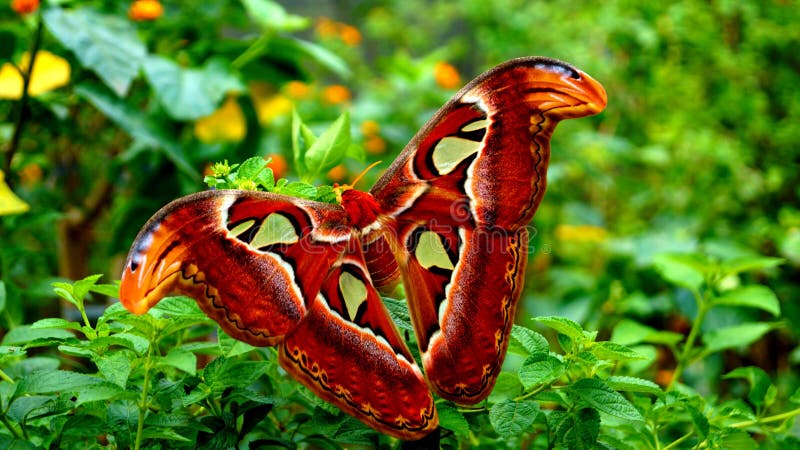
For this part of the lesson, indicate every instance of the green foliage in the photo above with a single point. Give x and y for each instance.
(657, 309)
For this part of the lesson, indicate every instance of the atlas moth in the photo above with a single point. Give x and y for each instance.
(447, 219)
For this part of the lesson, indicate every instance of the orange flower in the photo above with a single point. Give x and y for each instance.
(349, 35)
(278, 165)
(338, 173)
(370, 127)
(24, 6)
(335, 94)
(374, 145)
(30, 174)
(142, 10)
(297, 89)
(446, 75)
(327, 27)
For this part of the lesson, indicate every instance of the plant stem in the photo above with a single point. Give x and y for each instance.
(10, 427)
(688, 346)
(775, 418)
(22, 111)
(678, 441)
(5, 377)
(143, 401)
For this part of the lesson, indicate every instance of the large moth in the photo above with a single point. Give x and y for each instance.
(447, 219)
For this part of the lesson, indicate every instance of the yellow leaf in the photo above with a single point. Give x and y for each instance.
(9, 202)
(227, 124)
(49, 72)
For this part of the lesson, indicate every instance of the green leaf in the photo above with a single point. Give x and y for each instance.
(304, 50)
(115, 367)
(273, 17)
(163, 433)
(540, 369)
(231, 347)
(81, 287)
(297, 189)
(55, 322)
(629, 332)
(398, 311)
(760, 382)
(189, 93)
(329, 149)
(601, 397)
(679, 270)
(24, 334)
(578, 430)
(795, 398)
(106, 44)
(50, 381)
(2, 296)
(179, 307)
(506, 387)
(634, 384)
(302, 139)
(565, 326)
(735, 336)
(528, 341)
(8, 353)
(747, 264)
(139, 126)
(451, 419)
(753, 296)
(510, 418)
(110, 290)
(614, 352)
(733, 439)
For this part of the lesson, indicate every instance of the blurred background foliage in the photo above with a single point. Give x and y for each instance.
(129, 104)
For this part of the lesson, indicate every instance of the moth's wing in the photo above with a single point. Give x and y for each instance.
(254, 261)
(349, 352)
(459, 197)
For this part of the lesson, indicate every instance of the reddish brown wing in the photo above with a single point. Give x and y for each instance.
(274, 270)
(253, 261)
(348, 351)
(459, 197)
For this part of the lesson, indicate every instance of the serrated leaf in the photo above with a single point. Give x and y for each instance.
(115, 367)
(106, 44)
(735, 336)
(540, 369)
(510, 418)
(451, 419)
(329, 149)
(50, 381)
(733, 439)
(251, 167)
(565, 326)
(298, 189)
(614, 352)
(757, 378)
(753, 296)
(633, 384)
(127, 340)
(110, 290)
(601, 397)
(578, 430)
(55, 322)
(24, 334)
(699, 420)
(528, 340)
(81, 287)
(679, 270)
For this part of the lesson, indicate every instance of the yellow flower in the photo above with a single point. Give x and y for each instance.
(446, 75)
(24, 6)
(49, 72)
(335, 94)
(142, 10)
(328, 28)
(267, 103)
(9, 202)
(581, 233)
(227, 124)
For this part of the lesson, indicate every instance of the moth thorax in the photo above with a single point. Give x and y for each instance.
(361, 208)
